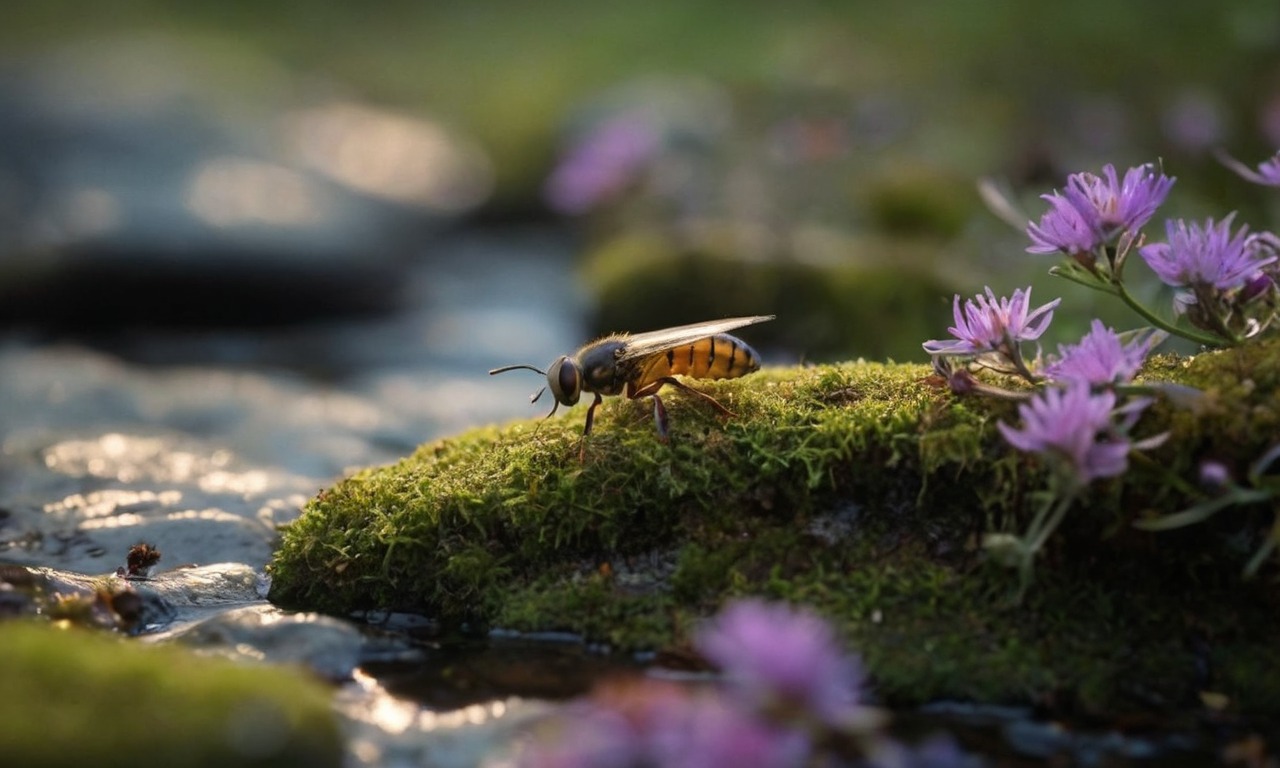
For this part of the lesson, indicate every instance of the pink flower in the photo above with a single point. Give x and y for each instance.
(1214, 474)
(1078, 429)
(584, 736)
(648, 723)
(988, 324)
(1092, 209)
(1071, 226)
(1208, 255)
(782, 657)
(1268, 173)
(602, 164)
(1123, 205)
(710, 731)
(1101, 358)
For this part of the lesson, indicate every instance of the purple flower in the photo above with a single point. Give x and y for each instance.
(655, 723)
(710, 730)
(783, 658)
(1260, 286)
(1214, 474)
(1092, 209)
(601, 164)
(1268, 173)
(1194, 122)
(584, 736)
(988, 324)
(1101, 358)
(1123, 205)
(1077, 427)
(1070, 226)
(1207, 255)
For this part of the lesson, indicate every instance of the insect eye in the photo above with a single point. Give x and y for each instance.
(564, 379)
(569, 382)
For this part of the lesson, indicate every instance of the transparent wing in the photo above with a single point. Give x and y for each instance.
(640, 344)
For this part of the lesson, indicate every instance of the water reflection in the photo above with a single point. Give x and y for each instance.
(235, 191)
(132, 458)
(385, 729)
(111, 501)
(388, 713)
(396, 157)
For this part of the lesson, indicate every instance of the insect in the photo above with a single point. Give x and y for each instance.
(641, 364)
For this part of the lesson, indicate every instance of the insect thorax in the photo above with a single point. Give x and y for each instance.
(600, 369)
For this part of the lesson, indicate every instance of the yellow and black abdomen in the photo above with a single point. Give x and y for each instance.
(716, 357)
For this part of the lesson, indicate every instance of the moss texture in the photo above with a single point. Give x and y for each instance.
(75, 697)
(860, 489)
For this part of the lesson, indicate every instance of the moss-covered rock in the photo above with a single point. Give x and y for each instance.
(75, 697)
(859, 488)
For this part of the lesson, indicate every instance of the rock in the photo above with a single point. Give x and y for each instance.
(871, 297)
(102, 602)
(631, 546)
(140, 194)
(329, 647)
(136, 605)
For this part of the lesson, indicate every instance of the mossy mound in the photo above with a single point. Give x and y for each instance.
(74, 697)
(861, 489)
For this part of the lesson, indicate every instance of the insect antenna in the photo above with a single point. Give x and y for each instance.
(534, 397)
(506, 368)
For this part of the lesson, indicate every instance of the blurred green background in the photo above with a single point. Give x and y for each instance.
(861, 234)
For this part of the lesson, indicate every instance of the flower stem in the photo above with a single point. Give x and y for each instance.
(1085, 279)
(1158, 322)
(1041, 528)
(1044, 524)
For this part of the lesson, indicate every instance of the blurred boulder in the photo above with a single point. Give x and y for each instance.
(150, 181)
(836, 296)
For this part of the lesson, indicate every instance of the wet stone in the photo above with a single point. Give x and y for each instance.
(101, 602)
(136, 605)
(329, 647)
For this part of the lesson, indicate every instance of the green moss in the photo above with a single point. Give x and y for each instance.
(860, 489)
(70, 697)
(594, 606)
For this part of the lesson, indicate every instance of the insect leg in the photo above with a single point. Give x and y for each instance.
(653, 387)
(591, 414)
(660, 410)
(591, 417)
(660, 417)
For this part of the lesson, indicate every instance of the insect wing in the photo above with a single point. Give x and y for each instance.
(651, 342)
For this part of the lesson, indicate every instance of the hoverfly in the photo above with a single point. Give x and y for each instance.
(641, 364)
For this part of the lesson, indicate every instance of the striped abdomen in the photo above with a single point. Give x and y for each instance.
(716, 357)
